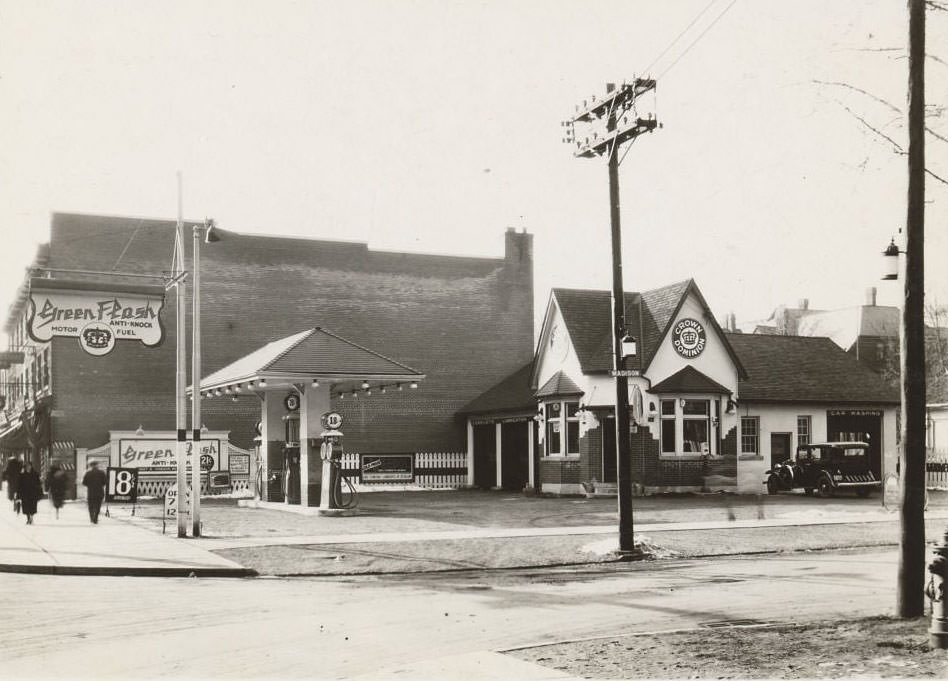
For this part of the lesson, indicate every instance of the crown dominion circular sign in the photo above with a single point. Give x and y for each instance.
(689, 338)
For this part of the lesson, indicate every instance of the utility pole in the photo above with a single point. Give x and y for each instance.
(911, 574)
(614, 108)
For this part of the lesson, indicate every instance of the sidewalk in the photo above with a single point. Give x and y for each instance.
(72, 545)
(135, 546)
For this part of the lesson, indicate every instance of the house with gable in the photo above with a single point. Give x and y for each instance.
(709, 410)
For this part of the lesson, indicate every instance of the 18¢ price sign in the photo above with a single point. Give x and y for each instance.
(122, 485)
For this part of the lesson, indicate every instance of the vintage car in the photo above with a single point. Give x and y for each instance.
(825, 467)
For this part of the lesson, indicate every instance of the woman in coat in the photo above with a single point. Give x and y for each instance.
(30, 491)
(56, 484)
(11, 474)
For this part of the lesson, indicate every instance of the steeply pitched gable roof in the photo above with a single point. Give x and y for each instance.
(805, 369)
(588, 318)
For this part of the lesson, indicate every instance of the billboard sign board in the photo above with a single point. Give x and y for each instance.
(159, 455)
(97, 314)
(387, 468)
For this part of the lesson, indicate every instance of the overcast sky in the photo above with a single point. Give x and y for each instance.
(432, 126)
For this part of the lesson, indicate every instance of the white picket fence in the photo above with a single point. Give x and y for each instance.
(432, 470)
(936, 470)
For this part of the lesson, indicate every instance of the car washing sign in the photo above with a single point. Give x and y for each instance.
(98, 318)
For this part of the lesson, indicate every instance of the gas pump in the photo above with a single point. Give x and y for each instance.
(291, 453)
(291, 468)
(330, 452)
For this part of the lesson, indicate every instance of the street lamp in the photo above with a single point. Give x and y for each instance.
(890, 260)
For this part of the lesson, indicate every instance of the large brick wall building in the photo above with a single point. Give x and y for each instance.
(464, 322)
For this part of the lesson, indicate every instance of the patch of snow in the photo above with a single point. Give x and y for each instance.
(604, 547)
(601, 547)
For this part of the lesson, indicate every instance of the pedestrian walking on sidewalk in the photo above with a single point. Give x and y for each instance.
(11, 474)
(56, 483)
(94, 480)
(30, 491)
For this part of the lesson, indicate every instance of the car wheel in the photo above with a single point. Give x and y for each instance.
(863, 492)
(808, 491)
(773, 484)
(826, 488)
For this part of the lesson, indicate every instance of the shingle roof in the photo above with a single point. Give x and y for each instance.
(511, 394)
(805, 369)
(559, 384)
(315, 352)
(588, 318)
(689, 380)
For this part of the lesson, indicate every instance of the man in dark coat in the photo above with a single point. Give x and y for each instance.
(30, 491)
(94, 480)
(12, 476)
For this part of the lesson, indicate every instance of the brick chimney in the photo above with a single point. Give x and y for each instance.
(518, 247)
(871, 296)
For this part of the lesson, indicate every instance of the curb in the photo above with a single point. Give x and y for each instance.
(105, 571)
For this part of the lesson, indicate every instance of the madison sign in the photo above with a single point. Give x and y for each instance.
(98, 318)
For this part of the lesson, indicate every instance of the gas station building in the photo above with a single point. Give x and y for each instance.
(427, 361)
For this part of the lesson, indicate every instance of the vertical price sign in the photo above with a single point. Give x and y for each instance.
(122, 485)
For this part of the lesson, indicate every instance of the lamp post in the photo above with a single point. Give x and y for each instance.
(207, 234)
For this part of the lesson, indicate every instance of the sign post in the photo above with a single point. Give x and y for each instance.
(121, 487)
(171, 505)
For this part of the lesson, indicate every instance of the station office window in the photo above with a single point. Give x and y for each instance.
(562, 417)
(803, 430)
(750, 435)
(692, 421)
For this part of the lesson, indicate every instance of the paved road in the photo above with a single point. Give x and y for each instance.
(406, 627)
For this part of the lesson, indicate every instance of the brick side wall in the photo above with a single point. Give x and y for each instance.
(556, 471)
(726, 465)
(467, 323)
(645, 464)
(590, 455)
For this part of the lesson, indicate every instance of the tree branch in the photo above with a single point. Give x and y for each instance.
(935, 134)
(861, 91)
(895, 145)
(940, 179)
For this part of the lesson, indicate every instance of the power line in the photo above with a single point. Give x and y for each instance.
(695, 41)
(678, 37)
